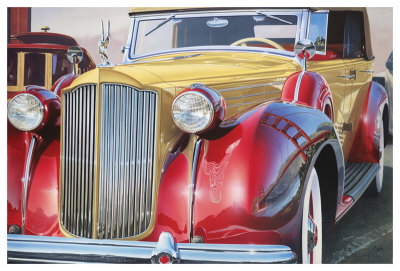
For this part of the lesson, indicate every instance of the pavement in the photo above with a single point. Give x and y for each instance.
(365, 234)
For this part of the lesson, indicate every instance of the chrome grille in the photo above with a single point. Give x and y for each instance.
(126, 143)
(78, 155)
(127, 140)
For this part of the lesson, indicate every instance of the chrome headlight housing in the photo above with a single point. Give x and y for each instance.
(25, 112)
(192, 111)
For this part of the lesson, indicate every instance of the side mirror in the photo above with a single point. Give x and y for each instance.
(74, 56)
(305, 49)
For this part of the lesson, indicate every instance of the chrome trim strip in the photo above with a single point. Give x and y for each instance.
(347, 76)
(297, 89)
(30, 248)
(252, 95)
(59, 84)
(166, 59)
(199, 49)
(196, 154)
(251, 86)
(233, 105)
(367, 71)
(27, 179)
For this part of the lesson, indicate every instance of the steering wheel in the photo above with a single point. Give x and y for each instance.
(243, 42)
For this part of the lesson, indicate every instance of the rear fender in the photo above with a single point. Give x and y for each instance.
(249, 181)
(365, 147)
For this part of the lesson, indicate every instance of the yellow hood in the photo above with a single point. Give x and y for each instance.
(210, 68)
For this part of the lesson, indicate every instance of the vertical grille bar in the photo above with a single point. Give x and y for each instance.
(127, 138)
(126, 164)
(78, 160)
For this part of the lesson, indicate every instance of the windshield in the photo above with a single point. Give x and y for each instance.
(265, 30)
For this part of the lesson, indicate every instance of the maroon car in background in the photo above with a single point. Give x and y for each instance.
(39, 58)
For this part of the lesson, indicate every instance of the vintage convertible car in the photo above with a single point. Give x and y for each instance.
(228, 135)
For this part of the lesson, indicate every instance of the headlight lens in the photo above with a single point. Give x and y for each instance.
(192, 111)
(25, 112)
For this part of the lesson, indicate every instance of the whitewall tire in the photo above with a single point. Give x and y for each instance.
(311, 229)
(379, 137)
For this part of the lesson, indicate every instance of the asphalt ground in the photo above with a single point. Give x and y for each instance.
(365, 233)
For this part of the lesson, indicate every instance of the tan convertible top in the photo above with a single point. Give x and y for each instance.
(149, 10)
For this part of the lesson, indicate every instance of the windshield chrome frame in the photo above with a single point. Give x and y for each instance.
(129, 54)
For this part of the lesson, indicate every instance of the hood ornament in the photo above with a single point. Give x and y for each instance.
(103, 44)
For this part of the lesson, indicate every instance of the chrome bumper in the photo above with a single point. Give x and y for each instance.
(42, 249)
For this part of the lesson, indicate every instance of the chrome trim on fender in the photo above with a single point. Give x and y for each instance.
(196, 154)
(297, 89)
(27, 179)
(43, 249)
(59, 84)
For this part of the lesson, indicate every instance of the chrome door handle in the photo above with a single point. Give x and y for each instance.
(367, 71)
(347, 76)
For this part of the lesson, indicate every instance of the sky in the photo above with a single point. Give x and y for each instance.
(83, 24)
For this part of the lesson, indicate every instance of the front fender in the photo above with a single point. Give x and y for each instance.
(33, 165)
(310, 89)
(249, 181)
(63, 82)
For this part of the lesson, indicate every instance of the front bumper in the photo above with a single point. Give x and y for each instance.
(43, 249)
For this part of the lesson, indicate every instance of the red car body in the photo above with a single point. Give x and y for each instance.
(259, 202)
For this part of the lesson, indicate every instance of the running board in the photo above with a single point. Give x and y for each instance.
(358, 177)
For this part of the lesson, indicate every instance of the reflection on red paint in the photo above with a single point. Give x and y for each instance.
(215, 171)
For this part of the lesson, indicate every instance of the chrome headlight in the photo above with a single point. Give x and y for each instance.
(25, 112)
(192, 111)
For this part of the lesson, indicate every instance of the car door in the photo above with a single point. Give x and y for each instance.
(360, 70)
(332, 66)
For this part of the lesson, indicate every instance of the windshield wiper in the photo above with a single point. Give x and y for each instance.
(161, 24)
(273, 17)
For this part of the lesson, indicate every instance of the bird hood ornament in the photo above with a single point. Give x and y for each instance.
(103, 44)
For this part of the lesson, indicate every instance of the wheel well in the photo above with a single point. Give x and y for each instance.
(385, 119)
(326, 167)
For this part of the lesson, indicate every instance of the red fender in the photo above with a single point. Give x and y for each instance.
(313, 91)
(365, 145)
(63, 82)
(172, 213)
(41, 215)
(251, 173)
